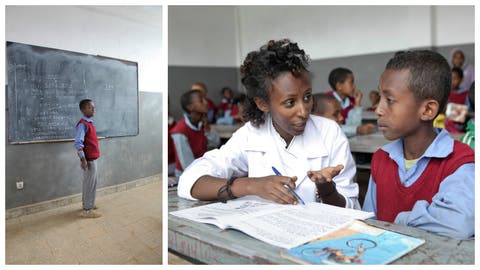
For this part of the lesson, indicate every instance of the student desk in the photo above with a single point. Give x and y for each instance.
(369, 117)
(367, 143)
(209, 244)
(225, 131)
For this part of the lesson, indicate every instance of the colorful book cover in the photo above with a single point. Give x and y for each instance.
(358, 244)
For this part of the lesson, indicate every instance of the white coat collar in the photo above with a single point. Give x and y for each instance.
(309, 143)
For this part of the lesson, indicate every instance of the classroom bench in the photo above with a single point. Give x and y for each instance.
(204, 243)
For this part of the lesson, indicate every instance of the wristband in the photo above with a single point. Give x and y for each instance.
(327, 190)
(226, 188)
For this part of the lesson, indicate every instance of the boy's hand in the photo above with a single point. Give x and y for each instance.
(272, 188)
(324, 175)
(83, 164)
(357, 95)
(366, 129)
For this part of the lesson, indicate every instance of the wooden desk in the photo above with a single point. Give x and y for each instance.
(209, 244)
(225, 131)
(369, 115)
(372, 142)
(367, 143)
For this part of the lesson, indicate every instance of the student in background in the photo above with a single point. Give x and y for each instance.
(171, 146)
(458, 95)
(423, 178)
(212, 109)
(224, 109)
(227, 100)
(309, 151)
(327, 106)
(469, 136)
(457, 58)
(239, 109)
(374, 99)
(342, 82)
(86, 144)
(192, 135)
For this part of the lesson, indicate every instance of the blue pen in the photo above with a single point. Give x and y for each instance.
(289, 187)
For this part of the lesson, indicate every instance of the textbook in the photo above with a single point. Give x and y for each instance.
(359, 243)
(456, 112)
(285, 226)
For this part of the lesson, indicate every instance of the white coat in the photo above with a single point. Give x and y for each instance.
(253, 151)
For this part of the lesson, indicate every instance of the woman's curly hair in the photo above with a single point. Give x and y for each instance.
(261, 67)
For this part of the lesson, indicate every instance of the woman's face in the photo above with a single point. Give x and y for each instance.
(290, 104)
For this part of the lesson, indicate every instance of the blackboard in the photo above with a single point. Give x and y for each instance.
(45, 86)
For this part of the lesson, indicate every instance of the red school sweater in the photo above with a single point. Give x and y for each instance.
(196, 139)
(90, 142)
(393, 197)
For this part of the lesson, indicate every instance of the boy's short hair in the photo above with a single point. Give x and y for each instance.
(338, 75)
(186, 99)
(226, 88)
(459, 72)
(84, 103)
(319, 101)
(201, 84)
(430, 74)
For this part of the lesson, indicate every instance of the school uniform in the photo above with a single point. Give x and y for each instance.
(346, 105)
(190, 142)
(86, 143)
(436, 194)
(251, 152)
(212, 110)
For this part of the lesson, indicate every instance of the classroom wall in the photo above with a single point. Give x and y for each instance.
(203, 36)
(338, 31)
(362, 38)
(52, 170)
(181, 78)
(128, 32)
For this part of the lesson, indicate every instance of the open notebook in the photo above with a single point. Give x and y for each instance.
(286, 226)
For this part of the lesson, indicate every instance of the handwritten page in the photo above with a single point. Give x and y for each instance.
(285, 226)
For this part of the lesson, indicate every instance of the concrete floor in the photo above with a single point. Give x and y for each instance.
(129, 232)
(174, 259)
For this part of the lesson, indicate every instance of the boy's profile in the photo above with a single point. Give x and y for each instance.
(192, 135)
(86, 143)
(423, 178)
(212, 108)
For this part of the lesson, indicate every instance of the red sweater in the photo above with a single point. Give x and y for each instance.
(393, 197)
(196, 139)
(90, 142)
(459, 98)
(344, 111)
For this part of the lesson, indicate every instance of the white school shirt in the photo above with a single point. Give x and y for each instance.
(253, 151)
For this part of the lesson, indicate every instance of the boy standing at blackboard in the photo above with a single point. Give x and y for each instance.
(86, 143)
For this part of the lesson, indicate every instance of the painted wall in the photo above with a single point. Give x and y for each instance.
(128, 32)
(52, 170)
(202, 36)
(181, 78)
(339, 31)
(361, 38)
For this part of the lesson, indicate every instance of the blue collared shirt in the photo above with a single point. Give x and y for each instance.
(82, 129)
(452, 211)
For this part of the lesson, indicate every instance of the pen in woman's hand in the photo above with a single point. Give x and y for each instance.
(289, 187)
